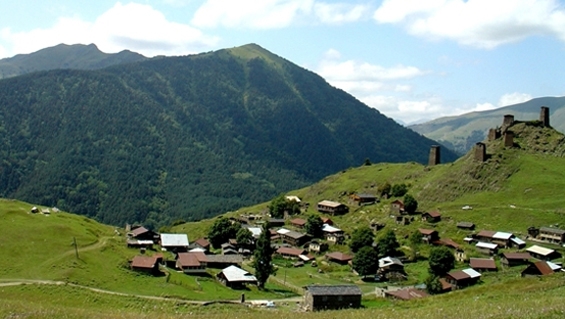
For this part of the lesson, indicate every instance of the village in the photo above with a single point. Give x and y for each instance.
(479, 252)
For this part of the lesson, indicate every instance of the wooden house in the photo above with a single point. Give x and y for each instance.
(482, 264)
(466, 225)
(502, 239)
(485, 236)
(487, 248)
(298, 222)
(339, 257)
(543, 253)
(174, 242)
(391, 268)
(406, 294)
(146, 264)
(552, 235)
(276, 222)
(431, 217)
(397, 207)
(192, 262)
(515, 259)
(318, 297)
(428, 235)
(236, 277)
(142, 233)
(463, 278)
(540, 268)
(291, 253)
(292, 237)
(333, 208)
(333, 234)
(202, 243)
(363, 199)
(327, 220)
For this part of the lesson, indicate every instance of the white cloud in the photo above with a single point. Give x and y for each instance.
(336, 13)
(513, 98)
(479, 23)
(274, 14)
(131, 26)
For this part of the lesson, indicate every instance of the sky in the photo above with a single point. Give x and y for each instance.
(413, 60)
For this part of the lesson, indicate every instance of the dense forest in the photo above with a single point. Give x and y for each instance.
(184, 137)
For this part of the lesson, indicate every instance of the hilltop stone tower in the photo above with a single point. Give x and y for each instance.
(434, 158)
(493, 134)
(480, 152)
(544, 116)
(507, 122)
(508, 139)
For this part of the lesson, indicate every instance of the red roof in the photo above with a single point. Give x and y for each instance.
(517, 256)
(298, 222)
(143, 262)
(339, 256)
(399, 203)
(192, 259)
(138, 231)
(434, 214)
(458, 275)
(543, 267)
(407, 294)
(426, 231)
(327, 220)
(290, 251)
(482, 263)
(202, 242)
(445, 285)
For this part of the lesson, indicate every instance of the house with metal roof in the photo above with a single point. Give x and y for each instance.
(431, 217)
(192, 262)
(463, 278)
(235, 277)
(330, 207)
(325, 297)
(333, 234)
(339, 257)
(406, 294)
(146, 264)
(174, 242)
(543, 253)
(486, 248)
(515, 259)
(482, 264)
(540, 268)
(552, 235)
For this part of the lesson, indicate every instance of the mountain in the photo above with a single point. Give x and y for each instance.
(460, 133)
(184, 137)
(62, 56)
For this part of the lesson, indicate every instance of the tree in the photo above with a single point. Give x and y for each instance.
(433, 285)
(414, 242)
(361, 237)
(262, 258)
(441, 261)
(314, 226)
(398, 190)
(367, 162)
(279, 205)
(384, 189)
(221, 231)
(387, 244)
(410, 204)
(366, 261)
(244, 237)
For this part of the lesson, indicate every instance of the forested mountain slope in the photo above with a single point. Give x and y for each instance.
(184, 137)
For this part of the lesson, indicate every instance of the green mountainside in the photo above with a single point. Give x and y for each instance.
(62, 56)
(184, 137)
(460, 133)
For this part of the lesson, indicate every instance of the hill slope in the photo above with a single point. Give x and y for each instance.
(184, 137)
(460, 133)
(62, 56)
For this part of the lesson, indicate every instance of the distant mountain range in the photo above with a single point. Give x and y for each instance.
(62, 56)
(460, 133)
(187, 137)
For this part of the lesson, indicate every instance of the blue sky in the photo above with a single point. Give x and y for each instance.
(413, 60)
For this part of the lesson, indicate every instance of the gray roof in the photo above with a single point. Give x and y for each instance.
(233, 259)
(174, 240)
(342, 290)
(552, 230)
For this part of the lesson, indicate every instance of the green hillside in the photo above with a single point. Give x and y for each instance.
(62, 56)
(184, 137)
(461, 132)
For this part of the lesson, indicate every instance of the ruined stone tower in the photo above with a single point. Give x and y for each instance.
(544, 116)
(508, 139)
(507, 122)
(434, 158)
(493, 134)
(480, 152)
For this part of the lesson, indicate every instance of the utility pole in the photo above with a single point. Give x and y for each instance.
(76, 248)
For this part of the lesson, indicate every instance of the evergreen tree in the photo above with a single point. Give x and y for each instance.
(366, 261)
(410, 204)
(262, 257)
(398, 190)
(221, 231)
(387, 245)
(244, 237)
(314, 226)
(441, 261)
(361, 237)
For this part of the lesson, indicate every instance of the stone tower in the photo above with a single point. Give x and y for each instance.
(493, 134)
(508, 139)
(434, 156)
(480, 152)
(544, 116)
(507, 122)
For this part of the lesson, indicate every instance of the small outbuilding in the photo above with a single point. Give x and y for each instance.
(339, 257)
(540, 268)
(431, 217)
(543, 253)
(322, 297)
(235, 277)
(515, 259)
(482, 264)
